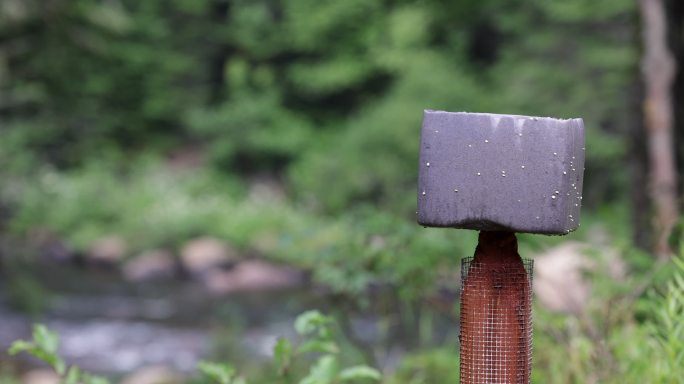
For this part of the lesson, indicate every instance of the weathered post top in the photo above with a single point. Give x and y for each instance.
(496, 172)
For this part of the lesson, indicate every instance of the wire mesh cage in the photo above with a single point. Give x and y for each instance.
(496, 321)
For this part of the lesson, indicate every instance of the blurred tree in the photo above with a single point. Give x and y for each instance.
(658, 67)
(675, 14)
(86, 77)
(640, 202)
(322, 95)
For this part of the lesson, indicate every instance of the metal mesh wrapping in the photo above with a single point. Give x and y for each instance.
(496, 322)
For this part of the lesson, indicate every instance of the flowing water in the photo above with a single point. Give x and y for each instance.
(111, 327)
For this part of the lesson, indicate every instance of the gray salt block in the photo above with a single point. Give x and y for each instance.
(490, 172)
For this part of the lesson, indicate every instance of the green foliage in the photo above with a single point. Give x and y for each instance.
(325, 97)
(282, 355)
(315, 328)
(152, 206)
(252, 131)
(98, 76)
(623, 348)
(428, 367)
(25, 292)
(321, 91)
(220, 373)
(6, 379)
(317, 332)
(44, 347)
(566, 350)
(666, 330)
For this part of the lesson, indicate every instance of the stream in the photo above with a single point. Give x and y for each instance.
(111, 327)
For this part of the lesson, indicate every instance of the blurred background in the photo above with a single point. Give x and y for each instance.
(179, 179)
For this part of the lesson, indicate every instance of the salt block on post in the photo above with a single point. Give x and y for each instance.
(495, 172)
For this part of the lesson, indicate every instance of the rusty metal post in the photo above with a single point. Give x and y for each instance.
(496, 313)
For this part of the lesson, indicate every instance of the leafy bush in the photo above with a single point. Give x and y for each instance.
(149, 206)
(428, 367)
(152, 206)
(44, 347)
(666, 330)
(610, 344)
(318, 339)
(316, 330)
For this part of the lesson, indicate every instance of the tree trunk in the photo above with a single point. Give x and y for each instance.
(220, 12)
(637, 158)
(658, 70)
(675, 13)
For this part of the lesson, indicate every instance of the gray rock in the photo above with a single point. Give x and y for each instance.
(40, 376)
(203, 254)
(154, 375)
(108, 250)
(150, 265)
(50, 246)
(253, 275)
(560, 274)
(500, 172)
(558, 282)
(264, 188)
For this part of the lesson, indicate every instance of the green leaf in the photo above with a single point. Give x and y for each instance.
(282, 353)
(44, 347)
(92, 379)
(323, 346)
(110, 16)
(220, 373)
(679, 261)
(55, 361)
(360, 372)
(21, 346)
(46, 339)
(73, 376)
(309, 321)
(323, 372)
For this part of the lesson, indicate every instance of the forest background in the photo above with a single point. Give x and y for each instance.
(287, 131)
